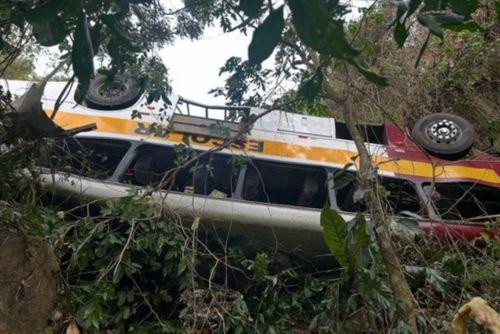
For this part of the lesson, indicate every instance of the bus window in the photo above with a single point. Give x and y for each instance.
(89, 157)
(215, 176)
(371, 133)
(345, 185)
(400, 194)
(286, 184)
(463, 200)
(150, 165)
(212, 175)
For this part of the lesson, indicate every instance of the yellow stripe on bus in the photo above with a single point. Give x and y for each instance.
(286, 150)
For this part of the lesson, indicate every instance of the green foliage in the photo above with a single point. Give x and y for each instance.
(400, 34)
(23, 68)
(435, 16)
(47, 29)
(349, 242)
(28, 219)
(260, 267)
(440, 274)
(370, 75)
(304, 106)
(130, 271)
(251, 8)
(316, 28)
(18, 156)
(266, 37)
(456, 75)
(342, 178)
(312, 87)
(124, 266)
(431, 24)
(243, 77)
(364, 278)
(335, 234)
(82, 55)
(316, 33)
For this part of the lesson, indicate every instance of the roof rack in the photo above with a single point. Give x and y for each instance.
(213, 121)
(219, 113)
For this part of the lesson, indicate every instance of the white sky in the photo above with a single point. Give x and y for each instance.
(194, 65)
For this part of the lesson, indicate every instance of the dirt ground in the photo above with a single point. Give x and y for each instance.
(28, 283)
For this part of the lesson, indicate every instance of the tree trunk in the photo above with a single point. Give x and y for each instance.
(397, 281)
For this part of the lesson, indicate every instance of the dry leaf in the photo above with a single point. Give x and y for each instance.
(479, 310)
(72, 329)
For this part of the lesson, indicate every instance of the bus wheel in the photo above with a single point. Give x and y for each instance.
(446, 135)
(121, 93)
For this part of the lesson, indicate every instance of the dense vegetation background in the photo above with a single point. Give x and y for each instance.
(130, 267)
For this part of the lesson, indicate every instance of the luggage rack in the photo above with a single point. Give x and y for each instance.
(212, 121)
(218, 113)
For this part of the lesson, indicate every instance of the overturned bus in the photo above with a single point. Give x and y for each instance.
(271, 185)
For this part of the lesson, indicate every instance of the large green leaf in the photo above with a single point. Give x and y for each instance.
(113, 23)
(357, 239)
(369, 75)
(407, 228)
(47, 10)
(310, 20)
(266, 37)
(251, 8)
(455, 22)
(49, 32)
(334, 233)
(113, 48)
(400, 34)
(448, 19)
(434, 5)
(82, 56)
(342, 178)
(402, 9)
(413, 6)
(318, 30)
(48, 22)
(464, 7)
(422, 50)
(469, 26)
(432, 276)
(431, 24)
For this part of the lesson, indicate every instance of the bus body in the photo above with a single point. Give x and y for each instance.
(286, 172)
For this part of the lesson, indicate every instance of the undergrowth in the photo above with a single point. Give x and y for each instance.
(130, 269)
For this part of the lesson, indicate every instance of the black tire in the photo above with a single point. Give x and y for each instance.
(122, 93)
(445, 135)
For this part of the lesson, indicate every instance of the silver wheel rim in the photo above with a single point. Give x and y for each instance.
(113, 90)
(443, 131)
